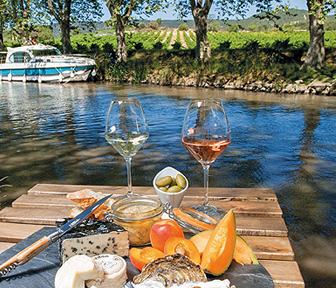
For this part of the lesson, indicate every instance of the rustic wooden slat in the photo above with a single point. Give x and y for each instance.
(246, 225)
(42, 201)
(261, 226)
(13, 232)
(244, 208)
(270, 248)
(251, 208)
(40, 216)
(231, 193)
(5, 245)
(285, 274)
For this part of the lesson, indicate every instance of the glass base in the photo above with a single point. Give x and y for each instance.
(210, 210)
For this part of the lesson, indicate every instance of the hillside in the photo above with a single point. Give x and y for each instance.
(294, 19)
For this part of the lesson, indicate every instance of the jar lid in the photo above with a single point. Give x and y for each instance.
(136, 208)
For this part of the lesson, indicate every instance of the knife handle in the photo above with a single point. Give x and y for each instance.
(27, 253)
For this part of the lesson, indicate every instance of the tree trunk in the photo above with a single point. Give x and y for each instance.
(65, 27)
(203, 50)
(2, 44)
(121, 40)
(316, 53)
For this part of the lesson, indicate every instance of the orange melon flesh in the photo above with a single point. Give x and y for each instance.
(182, 246)
(243, 254)
(218, 253)
(201, 240)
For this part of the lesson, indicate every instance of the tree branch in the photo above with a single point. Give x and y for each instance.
(192, 4)
(129, 9)
(207, 7)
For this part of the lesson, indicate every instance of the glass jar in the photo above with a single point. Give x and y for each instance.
(137, 214)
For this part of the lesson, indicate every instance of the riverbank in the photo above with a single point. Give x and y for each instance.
(249, 69)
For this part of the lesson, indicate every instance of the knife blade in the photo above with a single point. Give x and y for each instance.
(31, 251)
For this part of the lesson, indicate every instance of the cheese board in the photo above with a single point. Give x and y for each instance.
(40, 272)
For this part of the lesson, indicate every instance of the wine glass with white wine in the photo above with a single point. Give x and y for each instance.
(126, 130)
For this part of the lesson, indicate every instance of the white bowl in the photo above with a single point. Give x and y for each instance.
(174, 199)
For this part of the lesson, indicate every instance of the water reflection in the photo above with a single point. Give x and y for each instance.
(55, 133)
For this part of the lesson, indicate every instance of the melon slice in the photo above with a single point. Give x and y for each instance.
(243, 253)
(218, 253)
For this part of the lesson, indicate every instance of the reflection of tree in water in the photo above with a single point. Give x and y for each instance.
(302, 197)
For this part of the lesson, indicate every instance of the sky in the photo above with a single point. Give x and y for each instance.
(169, 13)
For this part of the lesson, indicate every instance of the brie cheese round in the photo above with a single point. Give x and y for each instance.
(74, 272)
(114, 268)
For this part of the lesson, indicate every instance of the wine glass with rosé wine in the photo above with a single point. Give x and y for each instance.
(206, 134)
(126, 130)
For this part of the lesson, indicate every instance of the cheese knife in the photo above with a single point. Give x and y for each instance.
(34, 249)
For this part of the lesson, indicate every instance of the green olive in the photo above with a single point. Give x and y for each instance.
(164, 189)
(174, 189)
(173, 182)
(181, 181)
(164, 181)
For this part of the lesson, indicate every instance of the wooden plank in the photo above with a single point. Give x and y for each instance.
(251, 208)
(285, 274)
(260, 208)
(5, 245)
(231, 193)
(246, 225)
(12, 232)
(42, 201)
(39, 216)
(261, 226)
(270, 248)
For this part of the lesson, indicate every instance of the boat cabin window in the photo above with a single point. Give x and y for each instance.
(46, 52)
(20, 57)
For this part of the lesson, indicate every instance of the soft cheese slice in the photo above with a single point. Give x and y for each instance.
(75, 271)
(114, 268)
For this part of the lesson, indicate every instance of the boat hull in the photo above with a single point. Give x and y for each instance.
(47, 74)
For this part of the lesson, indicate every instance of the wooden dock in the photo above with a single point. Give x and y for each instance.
(259, 220)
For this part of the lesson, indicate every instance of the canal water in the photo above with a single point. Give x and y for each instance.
(55, 133)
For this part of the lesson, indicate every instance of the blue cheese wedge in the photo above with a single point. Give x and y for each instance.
(94, 238)
(114, 268)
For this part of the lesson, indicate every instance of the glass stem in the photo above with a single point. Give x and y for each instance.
(206, 184)
(129, 175)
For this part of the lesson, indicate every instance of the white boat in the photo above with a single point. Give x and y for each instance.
(43, 63)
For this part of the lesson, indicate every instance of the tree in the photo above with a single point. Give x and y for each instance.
(224, 8)
(317, 11)
(69, 13)
(200, 11)
(121, 12)
(3, 19)
(17, 15)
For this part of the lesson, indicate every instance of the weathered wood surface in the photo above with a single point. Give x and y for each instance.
(5, 245)
(284, 273)
(259, 220)
(247, 207)
(246, 225)
(231, 193)
(12, 232)
(271, 248)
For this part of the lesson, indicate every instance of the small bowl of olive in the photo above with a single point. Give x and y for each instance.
(170, 185)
